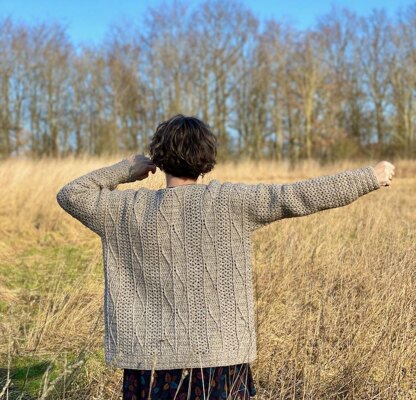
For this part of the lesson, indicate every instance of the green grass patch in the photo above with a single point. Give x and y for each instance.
(37, 267)
(27, 373)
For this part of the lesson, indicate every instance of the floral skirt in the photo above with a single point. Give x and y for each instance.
(210, 383)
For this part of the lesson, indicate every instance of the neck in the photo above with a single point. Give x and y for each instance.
(172, 181)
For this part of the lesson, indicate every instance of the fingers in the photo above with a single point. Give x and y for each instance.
(152, 167)
(150, 162)
(388, 169)
(389, 172)
(385, 172)
(141, 158)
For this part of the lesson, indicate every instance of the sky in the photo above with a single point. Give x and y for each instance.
(87, 20)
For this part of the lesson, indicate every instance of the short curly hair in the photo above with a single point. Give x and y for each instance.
(184, 147)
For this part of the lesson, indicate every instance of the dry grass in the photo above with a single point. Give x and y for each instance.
(335, 290)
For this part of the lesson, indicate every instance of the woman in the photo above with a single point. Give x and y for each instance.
(178, 299)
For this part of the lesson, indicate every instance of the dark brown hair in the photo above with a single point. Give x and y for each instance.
(184, 147)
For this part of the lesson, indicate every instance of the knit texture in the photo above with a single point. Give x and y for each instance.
(177, 261)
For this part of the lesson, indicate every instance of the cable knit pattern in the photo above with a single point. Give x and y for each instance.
(177, 261)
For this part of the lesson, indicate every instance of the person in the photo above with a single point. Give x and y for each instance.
(178, 296)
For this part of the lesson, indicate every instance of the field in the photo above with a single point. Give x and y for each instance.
(335, 290)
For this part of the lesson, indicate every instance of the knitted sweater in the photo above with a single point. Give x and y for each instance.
(177, 261)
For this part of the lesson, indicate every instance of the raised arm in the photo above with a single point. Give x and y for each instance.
(86, 198)
(265, 203)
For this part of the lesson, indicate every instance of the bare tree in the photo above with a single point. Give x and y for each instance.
(402, 73)
(329, 91)
(375, 52)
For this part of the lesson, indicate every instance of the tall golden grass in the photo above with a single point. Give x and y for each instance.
(335, 290)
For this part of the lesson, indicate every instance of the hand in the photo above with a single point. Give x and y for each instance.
(384, 172)
(141, 167)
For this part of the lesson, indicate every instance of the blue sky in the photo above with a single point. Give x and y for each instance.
(88, 20)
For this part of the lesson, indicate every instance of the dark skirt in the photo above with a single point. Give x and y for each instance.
(218, 383)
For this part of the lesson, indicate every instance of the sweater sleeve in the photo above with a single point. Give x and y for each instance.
(266, 203)
(85, 198)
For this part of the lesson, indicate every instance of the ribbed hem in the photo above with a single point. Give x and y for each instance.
(178, 361)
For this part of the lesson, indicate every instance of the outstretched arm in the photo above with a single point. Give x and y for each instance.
(266, 203)
(86, 198)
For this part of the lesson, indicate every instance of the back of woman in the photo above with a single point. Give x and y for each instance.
(178, 298)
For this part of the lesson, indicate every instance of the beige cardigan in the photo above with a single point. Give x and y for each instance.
(177, 261)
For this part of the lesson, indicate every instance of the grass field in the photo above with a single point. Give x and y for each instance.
(335, 290)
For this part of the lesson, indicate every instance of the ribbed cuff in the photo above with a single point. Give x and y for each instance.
(120, 172)
(125, 167)
(366, 180)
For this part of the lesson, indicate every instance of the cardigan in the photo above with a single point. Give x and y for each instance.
(178, 289)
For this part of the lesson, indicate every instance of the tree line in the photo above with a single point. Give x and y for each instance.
(344, 87)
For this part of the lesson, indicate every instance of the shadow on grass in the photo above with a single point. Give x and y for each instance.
(26, 378)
